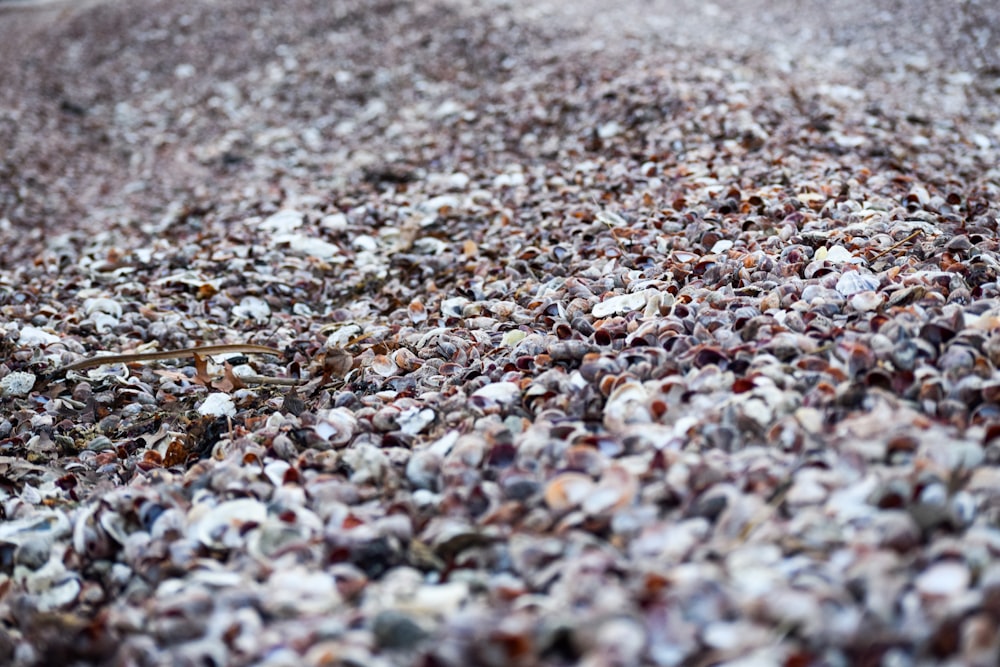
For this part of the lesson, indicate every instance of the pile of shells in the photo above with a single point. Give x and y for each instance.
(527, 352)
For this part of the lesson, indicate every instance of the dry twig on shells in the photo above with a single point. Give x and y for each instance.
(187, 352)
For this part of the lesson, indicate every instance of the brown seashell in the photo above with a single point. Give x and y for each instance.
(406, 360)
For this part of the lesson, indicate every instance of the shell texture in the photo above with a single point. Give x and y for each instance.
(666, 336)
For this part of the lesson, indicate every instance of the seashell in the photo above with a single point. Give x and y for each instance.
(34, 337)
(47, 526)
(627, 404)
(423, 470)
(721, 246)
(946, 579)
(282, 222)
(440, 204)
(336, 426)
(567, 490)
(865, 301)
(837, 254)
(225, 525)
(103, 305)
(218, 405)
(17, 383)
(500, 392)
(52, 587)
(405, 360)
(417, 311)
(384, 418)
(513, 337)
(252, 308)
(298, 590)
(619, 305)
(115, 525)
(684, 257)
(454, 307)
(853, 282)
(384, 366)
(616, 489)
(414, 420)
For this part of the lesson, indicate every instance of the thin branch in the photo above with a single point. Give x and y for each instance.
(187, 352)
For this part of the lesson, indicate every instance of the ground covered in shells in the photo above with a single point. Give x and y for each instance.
(540, 337)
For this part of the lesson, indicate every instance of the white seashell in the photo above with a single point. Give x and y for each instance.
(282, 222)
(944, 579)
(454, 306)
(609, 130)
(414, 420)
(501, 392)
(217, 405)
(837, 254)
(275, 471)
(295, 591)
(567, 490)
(252, 308)
(336, 221)
(336, 426)
(190, 279)
(364, 243)
(721, 246)
(438, 204)
(222, 526)
(865, 301)
(114, 525)
(384, 366)
(458, 181)
(17, 383)
(103, 322)
(853, 282)
(619, 305)
(428, 245)
(35, 337)
(52, 586)
(615, 490)
(508, 180)
(423, 469)
(437, 599)
(308, 246)
(48, 526)
(102, 305)
(627, 404)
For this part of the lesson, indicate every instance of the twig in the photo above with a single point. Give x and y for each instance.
(140, 357)
(912, 236)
